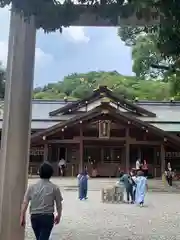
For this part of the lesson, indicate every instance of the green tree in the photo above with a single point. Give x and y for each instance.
(81, 91)
(144, 54)
(84, 84)
(148, 59)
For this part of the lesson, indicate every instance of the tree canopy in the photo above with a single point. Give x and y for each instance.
(52, 15)
(148, 59)
(78, 86)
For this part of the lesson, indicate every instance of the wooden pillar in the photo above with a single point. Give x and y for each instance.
(139, 153)
(154, 162)
(102, 154)
(45, 157)
(162, 159)
(16, 124)
(127, 152)
(112, 154)
(81, 150)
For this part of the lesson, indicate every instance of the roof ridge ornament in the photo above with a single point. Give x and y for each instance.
(105, 111)
(105, 100)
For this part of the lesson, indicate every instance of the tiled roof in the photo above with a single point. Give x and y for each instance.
(103, 92)
(166, 113)
(168, 127)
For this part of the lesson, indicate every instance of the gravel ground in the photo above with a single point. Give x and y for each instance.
(91, 219)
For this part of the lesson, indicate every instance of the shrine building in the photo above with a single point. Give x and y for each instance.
(105, 131)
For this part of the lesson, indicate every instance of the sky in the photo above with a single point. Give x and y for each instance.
(77, 49)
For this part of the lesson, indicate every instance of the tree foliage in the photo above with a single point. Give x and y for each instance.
(144, 54)
(148, 61)
(52, 15)
(78, 86)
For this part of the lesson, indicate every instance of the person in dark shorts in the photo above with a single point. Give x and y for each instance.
(62, 167)
(169, 176)
(42, 196)
(127, 180)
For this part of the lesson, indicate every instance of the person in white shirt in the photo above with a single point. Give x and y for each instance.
(169, 166)
(62, 167)
(138, 164)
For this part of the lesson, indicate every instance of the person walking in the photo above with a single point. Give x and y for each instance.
(138, 164)
(62, 167)
(169, 177)
(169, 166)
(83, 185)
(126, 179)
(141, 188)
(42, 197)
(133, 176)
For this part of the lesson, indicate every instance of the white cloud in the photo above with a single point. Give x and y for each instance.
(3, 52)
(41, 58)
(76, 34)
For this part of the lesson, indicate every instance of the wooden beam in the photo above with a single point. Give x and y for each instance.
(77, 140)
(64, 141)
(154, 143)
(104, 139)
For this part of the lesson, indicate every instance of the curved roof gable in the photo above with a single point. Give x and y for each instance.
(101, 92)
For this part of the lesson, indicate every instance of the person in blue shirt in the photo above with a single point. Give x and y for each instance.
(83, 185)
(141, 188)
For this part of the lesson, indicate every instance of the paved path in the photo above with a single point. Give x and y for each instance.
(93, 220)
(96, 183)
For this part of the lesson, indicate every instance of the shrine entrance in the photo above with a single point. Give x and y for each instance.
(17, 108)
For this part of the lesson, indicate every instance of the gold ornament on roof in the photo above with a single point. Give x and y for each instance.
(105, 99)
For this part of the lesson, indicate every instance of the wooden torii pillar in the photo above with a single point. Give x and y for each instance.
(16, 134)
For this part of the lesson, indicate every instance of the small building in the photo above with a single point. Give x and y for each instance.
(105, 132)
